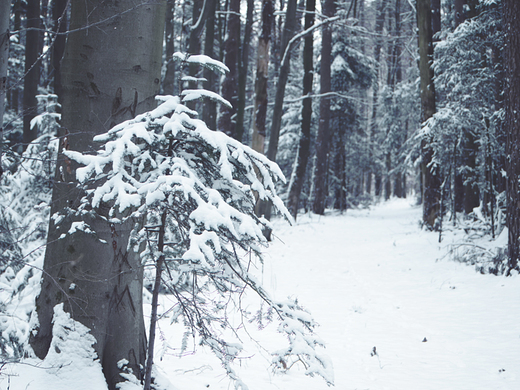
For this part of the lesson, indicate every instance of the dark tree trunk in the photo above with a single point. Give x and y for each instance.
(226, 123)
(436, 18)
(459, 180)
(431, 178)
(262, 65)
(32, 70)
(380, 23)
(322, 140)
(15, 90)
(110, 73)
(209, 111)
(194, 46)
(511, 15)
(471, 191)
(242, 71)
(4, 57)
(459, 12)
(288, 32)
(168, 84)
(59, 16)
(305, 136)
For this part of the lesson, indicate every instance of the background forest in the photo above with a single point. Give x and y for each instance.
(357, 101)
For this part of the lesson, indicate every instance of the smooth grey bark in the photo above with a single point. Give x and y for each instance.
(323, 137)
(302, 157)
(110, 73)
(511, 22)
(4, 57)
(32, 70)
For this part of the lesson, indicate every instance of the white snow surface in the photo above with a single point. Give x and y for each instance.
(373, 278)
(394, 313)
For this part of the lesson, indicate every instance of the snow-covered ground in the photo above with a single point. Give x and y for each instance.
(372, 279)
(393, 316)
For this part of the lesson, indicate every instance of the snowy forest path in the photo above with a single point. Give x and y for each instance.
(393, 312)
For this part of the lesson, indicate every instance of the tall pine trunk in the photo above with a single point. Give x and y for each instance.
(242, 72)
(323, 138)
(4, 57)
(32, 70)
(262, 67)
(110, 73)
(305, 135)
(511, 14)
(289, 29)
(226, 122)
(209, 110)
(430, 176)
(59, 17)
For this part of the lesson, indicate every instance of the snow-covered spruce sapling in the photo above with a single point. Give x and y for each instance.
(191, 192)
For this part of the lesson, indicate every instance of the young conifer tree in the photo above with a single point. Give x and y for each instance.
(190, 194)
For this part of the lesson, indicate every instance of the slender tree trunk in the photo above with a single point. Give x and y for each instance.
(322, 140)
(194, 44)
(264, 208)
(288, 32)
(305, 136)
(4, 57)
(380, 23)
(436, 18)
(226, 123)
(32, 70)
(262, 67)
(14, 101)
(59, 16)
(431, 178)
(242, 71)
(511, 15)
(209, 111)
(168, 84)
(110, 73)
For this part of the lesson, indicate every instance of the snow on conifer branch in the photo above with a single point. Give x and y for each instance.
(194, 191)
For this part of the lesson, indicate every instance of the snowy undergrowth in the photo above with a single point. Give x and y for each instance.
(25, 193)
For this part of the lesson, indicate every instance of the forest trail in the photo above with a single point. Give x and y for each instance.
(372, 280)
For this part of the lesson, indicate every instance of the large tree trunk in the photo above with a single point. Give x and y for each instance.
(322, 140)
(431, 179)
(110, 73)
(305, 136)
(32, 70)
(4, 57)
(511, 22)
(230, 84)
